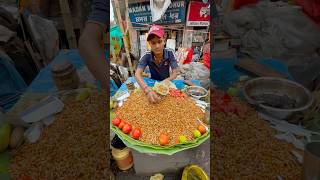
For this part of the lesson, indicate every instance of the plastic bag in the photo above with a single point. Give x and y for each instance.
(46, 36)
(158, 8)
(273, 30)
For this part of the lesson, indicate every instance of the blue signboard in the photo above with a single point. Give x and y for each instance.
(140, 13)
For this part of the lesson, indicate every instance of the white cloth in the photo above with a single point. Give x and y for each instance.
(158, 8)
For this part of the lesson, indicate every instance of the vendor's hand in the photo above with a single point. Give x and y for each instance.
(167, 80)
(153, 97)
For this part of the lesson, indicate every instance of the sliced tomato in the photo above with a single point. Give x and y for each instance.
(227, 98)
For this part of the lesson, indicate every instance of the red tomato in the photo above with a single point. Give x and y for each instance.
(122, 123)
(226, 98)
(136, 133)
(164, 139)
(116, 121)
(176, 93)
(126, 128)
(202, 129)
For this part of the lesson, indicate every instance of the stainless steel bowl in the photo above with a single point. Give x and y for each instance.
(196, 92)
(279, 87)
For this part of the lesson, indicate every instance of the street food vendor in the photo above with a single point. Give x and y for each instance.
(159, 60)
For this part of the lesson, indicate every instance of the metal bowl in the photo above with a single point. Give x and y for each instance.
(196, 92)
(296, 97)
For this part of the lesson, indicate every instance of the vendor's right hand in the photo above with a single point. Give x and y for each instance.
(153, 97)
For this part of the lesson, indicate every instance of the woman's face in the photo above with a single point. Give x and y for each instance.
(157, 45)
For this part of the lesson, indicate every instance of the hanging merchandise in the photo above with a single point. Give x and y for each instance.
(171, 43)
(143, 44)
(206, 60)
(184, 55)
(158, 8)
(115, 41)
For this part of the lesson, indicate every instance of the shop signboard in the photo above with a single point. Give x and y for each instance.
(140, 13)
(198, 14)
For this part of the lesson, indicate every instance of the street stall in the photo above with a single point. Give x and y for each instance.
(265, 132)
(174, 18)
(172, 134)
(57, 130)
(185, 30)
(252, 151)
(270, 130)
(152, 134)
(264, 97)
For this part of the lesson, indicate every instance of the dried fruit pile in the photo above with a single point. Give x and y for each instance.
(162, 123)
(73, 147)
(245, 148)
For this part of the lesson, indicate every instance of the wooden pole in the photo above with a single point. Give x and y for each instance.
(68, 26)
(120, 23)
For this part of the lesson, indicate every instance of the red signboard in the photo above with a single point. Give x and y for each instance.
(198, 14)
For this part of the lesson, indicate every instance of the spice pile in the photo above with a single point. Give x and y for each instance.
(172, 116)
(73, 147)
(245, 148)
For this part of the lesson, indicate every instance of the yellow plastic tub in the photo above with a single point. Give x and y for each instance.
(194, 172)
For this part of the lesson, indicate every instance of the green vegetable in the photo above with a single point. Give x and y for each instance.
(232, 91)
(83, 95)
(196, 133)
(182, 139)
(5, 132)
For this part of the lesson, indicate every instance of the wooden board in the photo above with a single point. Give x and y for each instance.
(66, 15)
(258, 69)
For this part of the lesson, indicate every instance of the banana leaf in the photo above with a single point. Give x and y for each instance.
(4, 165)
